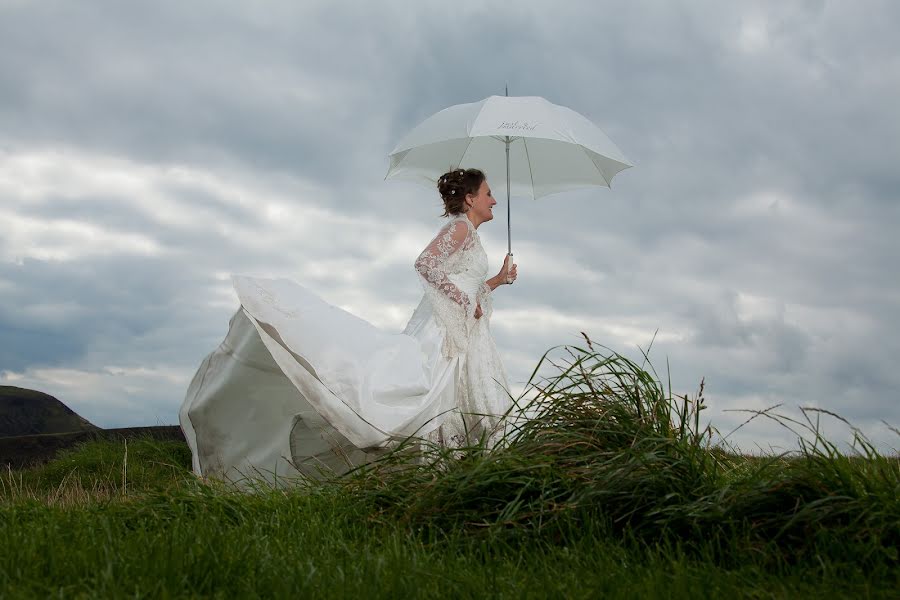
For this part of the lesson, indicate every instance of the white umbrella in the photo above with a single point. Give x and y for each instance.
(543, 148)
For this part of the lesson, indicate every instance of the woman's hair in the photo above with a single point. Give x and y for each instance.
(453, 187)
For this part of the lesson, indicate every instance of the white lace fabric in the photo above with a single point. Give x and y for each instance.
(453, 270)
(442, 256)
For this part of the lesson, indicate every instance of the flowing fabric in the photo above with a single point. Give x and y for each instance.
(302, 386)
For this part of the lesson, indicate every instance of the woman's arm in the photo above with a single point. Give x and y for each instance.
(430, 263)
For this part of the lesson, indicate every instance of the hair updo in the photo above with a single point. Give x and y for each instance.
(453, 187)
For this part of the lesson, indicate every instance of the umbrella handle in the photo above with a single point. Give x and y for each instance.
(508, 267)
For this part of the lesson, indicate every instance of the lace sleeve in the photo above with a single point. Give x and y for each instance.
(430, 263)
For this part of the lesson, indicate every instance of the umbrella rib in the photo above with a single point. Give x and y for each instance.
(530, 170)
(593, 162)
(400, 162)
(464, 152)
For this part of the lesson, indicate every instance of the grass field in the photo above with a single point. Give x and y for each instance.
(612, 489)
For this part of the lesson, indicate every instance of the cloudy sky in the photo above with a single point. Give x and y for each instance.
(150, 149)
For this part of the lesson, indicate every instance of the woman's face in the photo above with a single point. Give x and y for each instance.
(482, 204)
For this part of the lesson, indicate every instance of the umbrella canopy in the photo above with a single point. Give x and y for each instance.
(551, 148)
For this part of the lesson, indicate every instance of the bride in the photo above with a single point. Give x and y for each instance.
(300, 386)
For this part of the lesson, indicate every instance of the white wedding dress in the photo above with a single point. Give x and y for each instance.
(300, 386)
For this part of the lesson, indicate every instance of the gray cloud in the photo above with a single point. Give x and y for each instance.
(147, 151)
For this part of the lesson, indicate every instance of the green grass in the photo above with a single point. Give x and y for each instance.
(612, 489)
(206, 543)
(101, 469)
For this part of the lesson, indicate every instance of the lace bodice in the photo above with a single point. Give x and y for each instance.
(453, 269)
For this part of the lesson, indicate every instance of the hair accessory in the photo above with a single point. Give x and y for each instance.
(453, 192)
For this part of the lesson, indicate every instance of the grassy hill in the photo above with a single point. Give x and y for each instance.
(29, 412)
(110, 519)
(611, 489)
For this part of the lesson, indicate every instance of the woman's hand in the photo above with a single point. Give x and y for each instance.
(478, 312)
(510, 276)
(501, 277)
(507, 272)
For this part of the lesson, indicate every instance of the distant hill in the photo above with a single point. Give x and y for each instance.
(35, 427)
(29, 412)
